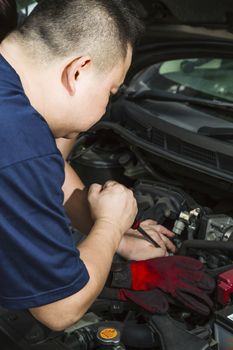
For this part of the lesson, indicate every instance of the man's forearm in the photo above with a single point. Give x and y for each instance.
(75, 194)
(96, 252)
(75, 201)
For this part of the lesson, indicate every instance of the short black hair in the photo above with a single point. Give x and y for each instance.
(102, 28)
(8, 17)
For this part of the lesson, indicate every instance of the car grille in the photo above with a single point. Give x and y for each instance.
(177, 146)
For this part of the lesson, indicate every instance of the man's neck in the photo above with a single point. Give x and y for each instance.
(30, 75)
(15, 56)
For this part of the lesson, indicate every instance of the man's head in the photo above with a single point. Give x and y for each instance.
(8, 17)
(101, 28)
(77, 53)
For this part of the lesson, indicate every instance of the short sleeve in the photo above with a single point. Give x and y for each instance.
(39, 261)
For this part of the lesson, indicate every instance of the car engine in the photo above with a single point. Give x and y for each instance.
(203, 227)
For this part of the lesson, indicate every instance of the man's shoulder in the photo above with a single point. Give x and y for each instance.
(24, 134)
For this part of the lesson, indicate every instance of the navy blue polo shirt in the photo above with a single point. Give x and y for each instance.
(39, 263)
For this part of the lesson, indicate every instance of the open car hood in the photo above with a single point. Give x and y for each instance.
(209, 13)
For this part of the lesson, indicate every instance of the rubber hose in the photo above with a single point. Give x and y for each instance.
(207, 245)
(138, 336)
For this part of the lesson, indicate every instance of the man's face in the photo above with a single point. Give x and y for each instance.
(91, 97)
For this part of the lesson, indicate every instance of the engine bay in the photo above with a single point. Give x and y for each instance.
(202, 221)
(203, 225)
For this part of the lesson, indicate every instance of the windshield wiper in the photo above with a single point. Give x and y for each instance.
(218, 133)
(163, 96)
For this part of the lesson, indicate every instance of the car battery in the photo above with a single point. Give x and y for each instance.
(223, 328)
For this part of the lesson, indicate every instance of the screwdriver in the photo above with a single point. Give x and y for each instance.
(136, 226)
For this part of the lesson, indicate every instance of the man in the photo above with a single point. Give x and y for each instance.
(57, 73)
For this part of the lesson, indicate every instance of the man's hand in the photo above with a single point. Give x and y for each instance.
(113, 203)
(133, 245)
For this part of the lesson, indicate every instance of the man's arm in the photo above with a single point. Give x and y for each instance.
(132, 246)
(75, 193)
(96, 252)
(113, 209)
(75, 201)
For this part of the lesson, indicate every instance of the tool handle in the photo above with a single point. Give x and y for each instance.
(136, 224)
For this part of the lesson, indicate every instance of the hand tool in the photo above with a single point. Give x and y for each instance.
(136, 226)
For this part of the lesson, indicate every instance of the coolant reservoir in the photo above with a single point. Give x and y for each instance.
(109, 338)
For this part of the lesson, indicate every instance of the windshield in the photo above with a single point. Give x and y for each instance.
(26, 6)
(206, 78)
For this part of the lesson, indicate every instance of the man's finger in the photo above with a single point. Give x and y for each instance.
(95, 188)
(109, 183)
(164, 231)
(149, 222)
(152, 224)
(169, 245)
(157, 238)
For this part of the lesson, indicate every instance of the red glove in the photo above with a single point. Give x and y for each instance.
(153, 301)
(182, 277)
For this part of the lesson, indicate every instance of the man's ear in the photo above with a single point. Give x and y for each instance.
(72, 71)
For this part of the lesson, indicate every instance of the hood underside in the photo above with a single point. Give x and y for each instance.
(210, 13)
